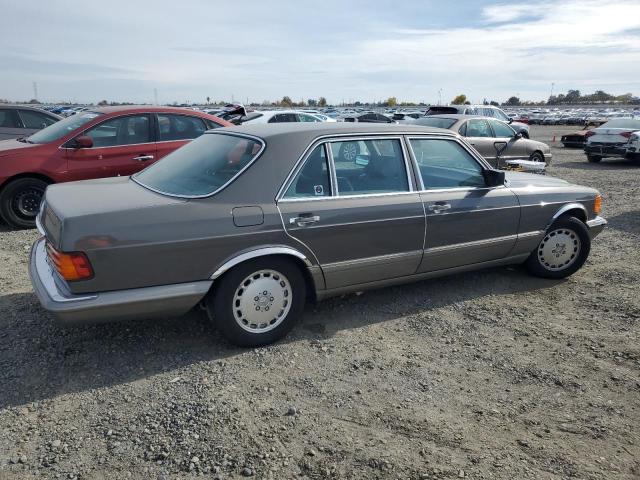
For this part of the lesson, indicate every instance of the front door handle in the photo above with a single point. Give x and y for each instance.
(143, 158)
(304, 220)
(439, 207)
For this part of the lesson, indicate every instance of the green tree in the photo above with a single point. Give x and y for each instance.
(391, 102)
(103, 103)
(459, 100)
(513, 101)
(208, 100)
(286, 101)
(322, 102)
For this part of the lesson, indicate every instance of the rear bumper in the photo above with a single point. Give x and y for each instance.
(595, 226)
(604, 150)
(71, 309)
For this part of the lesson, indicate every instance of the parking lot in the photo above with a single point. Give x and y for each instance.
(493, 374)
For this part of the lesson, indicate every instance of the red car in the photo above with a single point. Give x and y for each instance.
(103, 142)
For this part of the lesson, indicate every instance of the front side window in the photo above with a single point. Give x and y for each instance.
(303, 117)
(446, 164)
(369, 166)
(37, 120)
(313, 180)
(63, 127)
(501, 129)
(201, 167)
(128, 130)
(179, 127)
(478, 128)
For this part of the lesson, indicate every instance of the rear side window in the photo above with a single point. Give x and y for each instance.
(446, 164)
(179, 127)
(478, 128)
(369, 167)
(36, 120)
(8, 118)
(127, 130)
(313, 180)
(201, 167)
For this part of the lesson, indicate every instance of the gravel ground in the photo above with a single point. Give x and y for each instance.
(493, 374)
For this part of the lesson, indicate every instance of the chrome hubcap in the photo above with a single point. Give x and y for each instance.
(262, 301)
(349, 151)
(559, 249)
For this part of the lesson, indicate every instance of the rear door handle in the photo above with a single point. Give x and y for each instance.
(143, 158)
(304, 220)
(439, 207)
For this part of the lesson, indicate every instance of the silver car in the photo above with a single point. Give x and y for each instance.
(496, 141)
(20, 121)
(254, 221)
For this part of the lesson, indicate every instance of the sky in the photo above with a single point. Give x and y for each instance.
(345, 50)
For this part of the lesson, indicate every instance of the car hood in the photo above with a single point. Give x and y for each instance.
(13, 146)
(102, 213)
(523, 180)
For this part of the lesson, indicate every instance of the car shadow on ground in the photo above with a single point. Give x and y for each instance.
(606, 164)
(40, 360)
(628, 222)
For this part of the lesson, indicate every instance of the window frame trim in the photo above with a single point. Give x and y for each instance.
(330, 171)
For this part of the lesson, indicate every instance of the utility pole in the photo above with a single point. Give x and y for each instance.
(35, 90)
(552, 85)
(440, 97)
(155, 96)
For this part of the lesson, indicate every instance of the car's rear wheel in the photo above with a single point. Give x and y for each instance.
(349, 151)
(563, 250)
(257, 302)
(593, 158)
(20, 201)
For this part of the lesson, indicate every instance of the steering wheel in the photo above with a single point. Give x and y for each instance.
(344, 185)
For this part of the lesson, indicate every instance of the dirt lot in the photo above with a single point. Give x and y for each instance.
(493, 374)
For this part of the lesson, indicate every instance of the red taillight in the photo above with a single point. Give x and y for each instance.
(626, 134)
(590, 133)
(71, 266)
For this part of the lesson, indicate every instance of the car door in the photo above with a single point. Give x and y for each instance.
(10, 126)
(468, 222)
(174, 131)
(360, 214)
(515, 147)
(121, 146)
(479, 135)
(33, 121)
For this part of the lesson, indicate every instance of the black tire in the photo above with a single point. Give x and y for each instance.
(224, 305)
(575, 235)
(593, 158)
(537, 157)
(20, 201)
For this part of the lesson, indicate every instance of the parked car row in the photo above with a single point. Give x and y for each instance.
(253, 221)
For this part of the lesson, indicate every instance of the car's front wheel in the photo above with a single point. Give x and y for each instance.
(563, 250)
(20, 201)
(257, 302)
(593, 158)
(537, 157)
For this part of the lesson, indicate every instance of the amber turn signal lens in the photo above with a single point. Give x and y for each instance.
(597, 205)
(71, 266)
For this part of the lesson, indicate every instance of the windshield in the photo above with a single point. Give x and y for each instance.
(622, 123)
(435, 122)
(62, 128)
(201, 167)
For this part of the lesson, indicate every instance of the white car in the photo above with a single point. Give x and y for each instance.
(633, 147)
(610, 139)
(279, 116)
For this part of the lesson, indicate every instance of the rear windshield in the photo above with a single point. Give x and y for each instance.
(62, 128)
(201, 167)
(623, 123)
(435, 122)
(439, 110)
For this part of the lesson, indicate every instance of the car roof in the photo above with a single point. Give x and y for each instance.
(143, 108)
(458, 116)
(314, 130)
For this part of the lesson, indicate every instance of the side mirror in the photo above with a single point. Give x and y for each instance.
(510, 120)
(494, 178)
(84, 142)
(517, 136)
